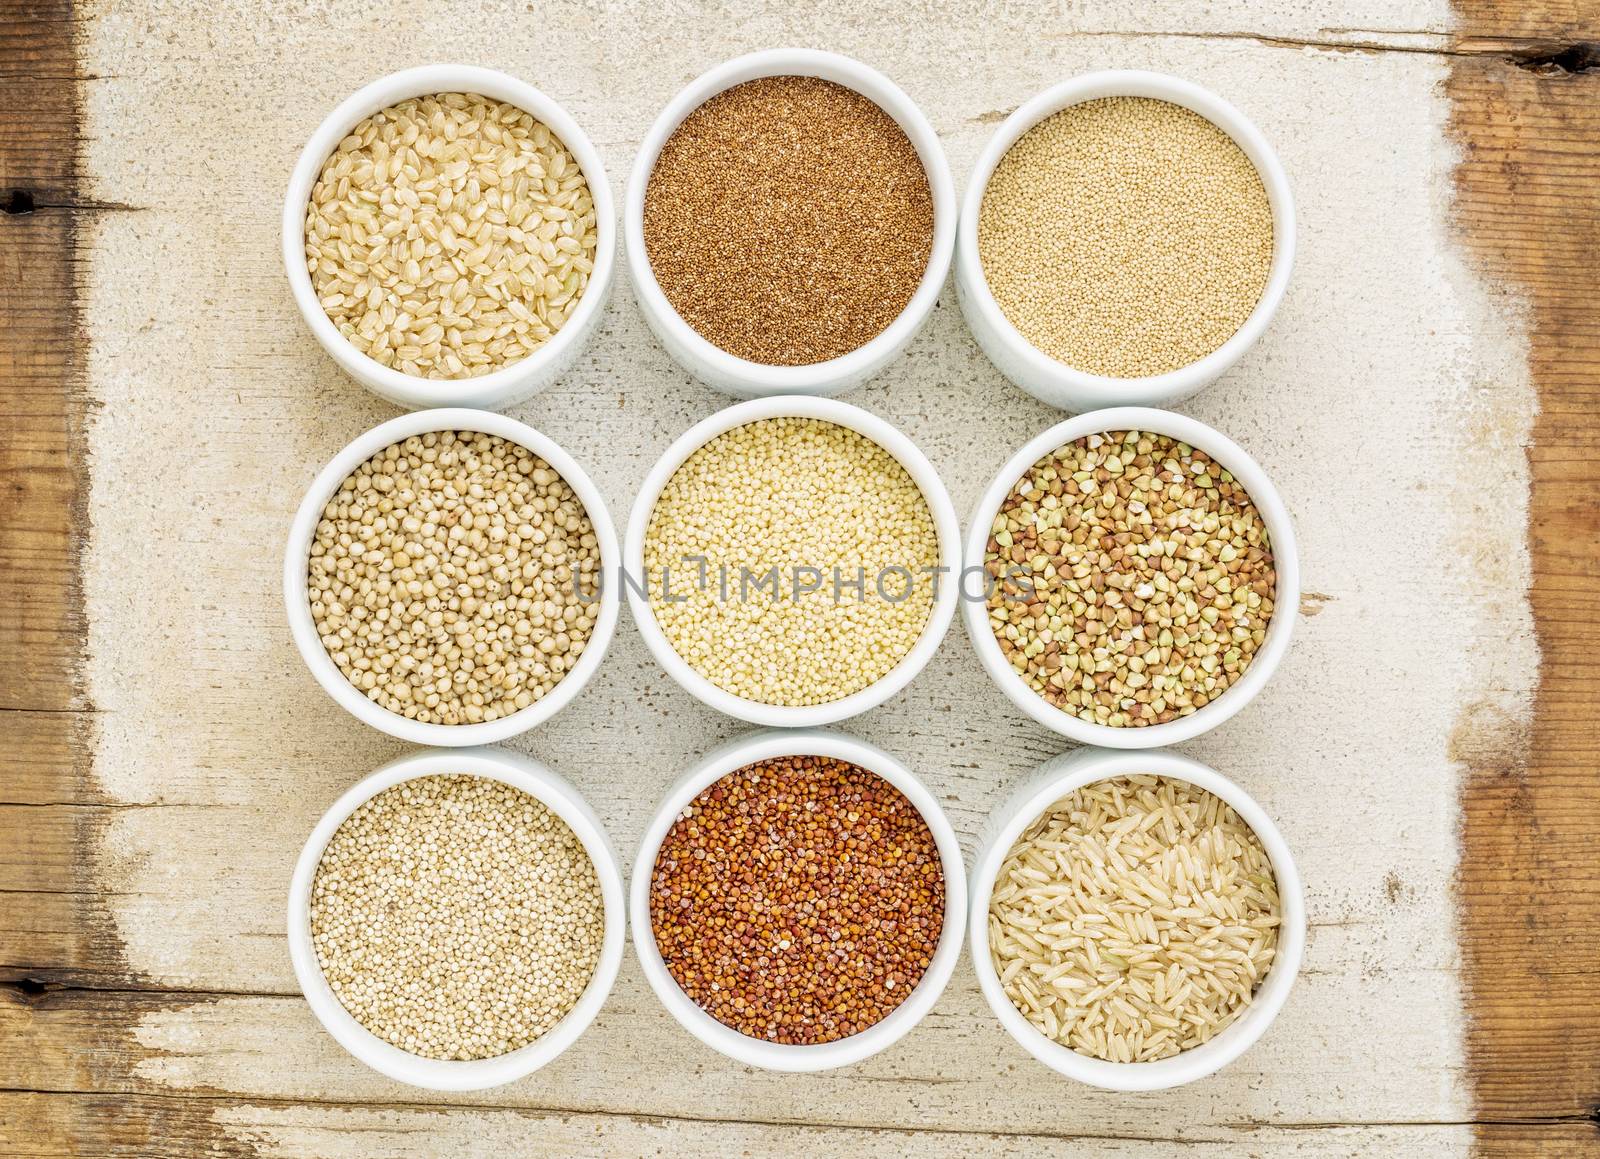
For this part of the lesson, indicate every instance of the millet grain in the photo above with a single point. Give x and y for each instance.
(791, 493)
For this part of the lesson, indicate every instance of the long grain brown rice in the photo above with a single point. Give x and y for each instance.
(1134, 919)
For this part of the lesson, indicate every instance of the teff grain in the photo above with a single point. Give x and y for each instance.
(1126, 236)
(453, 578)
(798, 900)
(456, 917)
(449, 236)
(818, 502)
(1137, 579)
(788, 220)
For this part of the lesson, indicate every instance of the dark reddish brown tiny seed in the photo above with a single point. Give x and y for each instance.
(798, 900)
(788, 220)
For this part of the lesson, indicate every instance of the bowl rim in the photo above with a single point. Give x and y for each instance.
(1104, 390)
(1286, 599)
(765, 745)
(946, 524)
(1054, 780)
(505, 385)
(538, 781)
(756, 378)
(296, 595)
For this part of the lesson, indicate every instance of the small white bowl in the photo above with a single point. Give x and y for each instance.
(1057, 778)
(537, 781)
(946, 526)
(510, 384)
(1051, 380)
(777, 1056)
(297, 599)
(1286, 599)
(739, 376)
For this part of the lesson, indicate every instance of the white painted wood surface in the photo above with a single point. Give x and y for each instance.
(1382, 401)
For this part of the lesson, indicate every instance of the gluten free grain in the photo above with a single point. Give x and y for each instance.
(449, 236)
(788, 220)
(456, 917)
(798, 900)
(1126, 236)
(453, 578)
(791, 494)
(1134, 919)
(1134, 579)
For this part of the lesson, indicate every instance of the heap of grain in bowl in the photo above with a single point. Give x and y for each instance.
(456, 917)
(1135, 919)
(1126, 236)
(454, 578)
(790, 561)
(788, 220)
(798, 900)
(1132, 579)
(450, 236)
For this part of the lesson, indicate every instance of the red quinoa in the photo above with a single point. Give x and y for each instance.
(798, 900)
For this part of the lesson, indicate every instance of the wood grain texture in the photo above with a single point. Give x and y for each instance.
(1530, 871)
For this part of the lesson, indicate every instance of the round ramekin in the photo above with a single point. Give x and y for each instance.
(298, 604)
(1286, 601)
(946, 526)
(1055, 779)
(532, 778)
(741, 377)
(510, 384)
(777, 1056)
(1051, 380)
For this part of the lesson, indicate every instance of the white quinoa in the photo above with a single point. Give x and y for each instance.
(448, 577)
(448, 236)
(792, 493)
(456, 917)
(1126, 236)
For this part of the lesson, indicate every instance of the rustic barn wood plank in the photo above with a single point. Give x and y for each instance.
(1529, 878)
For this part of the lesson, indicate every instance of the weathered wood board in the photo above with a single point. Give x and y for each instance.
(169, 752)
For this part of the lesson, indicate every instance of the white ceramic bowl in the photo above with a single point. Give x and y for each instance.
(298, 604)
(945, 523)
(739, 376)
(1286, 601)
(767, 745)
(1053, 381)
(511, 384)
(1057, 778)
(441, 1074)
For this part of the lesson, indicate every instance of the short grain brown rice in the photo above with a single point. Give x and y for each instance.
(449, 236)
(1134, 919)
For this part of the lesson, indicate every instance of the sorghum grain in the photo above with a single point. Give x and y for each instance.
(449, 236)
(788, 220)
(791, 493)
(1136, 579)
(1134, 919)
(448, 577)
(798, 900)
(1126, 236)
(456, 917)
